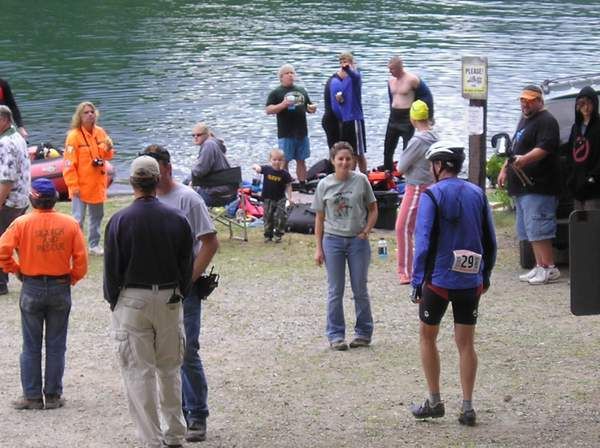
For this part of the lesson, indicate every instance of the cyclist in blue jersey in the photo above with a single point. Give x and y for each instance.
(455, 251)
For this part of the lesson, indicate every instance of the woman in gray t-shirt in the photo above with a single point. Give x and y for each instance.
(346, 212)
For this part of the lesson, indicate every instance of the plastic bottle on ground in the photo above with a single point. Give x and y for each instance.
(382, 249)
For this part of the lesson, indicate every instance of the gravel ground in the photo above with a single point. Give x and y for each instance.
(274, 382)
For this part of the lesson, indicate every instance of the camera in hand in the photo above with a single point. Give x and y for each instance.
(98, 162)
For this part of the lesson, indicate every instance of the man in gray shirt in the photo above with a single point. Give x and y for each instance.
(14, 178)
(183, 198)
(211, 158)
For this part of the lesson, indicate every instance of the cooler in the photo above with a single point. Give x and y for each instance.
(387, 207)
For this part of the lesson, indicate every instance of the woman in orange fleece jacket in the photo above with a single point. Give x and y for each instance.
(86, 148)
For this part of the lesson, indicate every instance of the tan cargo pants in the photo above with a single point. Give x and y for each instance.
(150, 340)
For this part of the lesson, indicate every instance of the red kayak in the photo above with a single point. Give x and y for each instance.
(48, 162)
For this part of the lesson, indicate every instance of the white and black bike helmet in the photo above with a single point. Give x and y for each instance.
(451, 155)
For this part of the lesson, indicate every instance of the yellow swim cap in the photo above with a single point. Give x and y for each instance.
(419, 111)
(52, 154)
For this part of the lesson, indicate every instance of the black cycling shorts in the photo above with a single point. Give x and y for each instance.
(434, 301)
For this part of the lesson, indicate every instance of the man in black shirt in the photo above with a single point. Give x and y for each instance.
(7, 99)
(329, 121)
(532, 176)
(147, 271)
(291, 103)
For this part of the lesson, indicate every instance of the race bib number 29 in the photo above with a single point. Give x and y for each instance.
(466, 261)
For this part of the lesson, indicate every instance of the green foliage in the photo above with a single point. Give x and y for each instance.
(493, 167)
(502, 197)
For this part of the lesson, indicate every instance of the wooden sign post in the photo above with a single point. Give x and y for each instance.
(475, 89)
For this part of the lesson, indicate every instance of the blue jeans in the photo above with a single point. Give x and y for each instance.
(357, 253)
(536, 217)
(193, 381)
(96, 213)
(44, 302)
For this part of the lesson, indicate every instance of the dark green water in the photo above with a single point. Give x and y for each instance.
(154, 68)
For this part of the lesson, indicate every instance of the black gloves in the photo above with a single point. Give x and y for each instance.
(206, 284)
(415, 295)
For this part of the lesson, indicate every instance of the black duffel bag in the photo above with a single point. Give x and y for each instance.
(301, 219)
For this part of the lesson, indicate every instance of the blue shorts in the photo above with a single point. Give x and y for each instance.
(295, 148)
(536, 217)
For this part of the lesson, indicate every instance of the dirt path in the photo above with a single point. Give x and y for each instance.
(274, 382)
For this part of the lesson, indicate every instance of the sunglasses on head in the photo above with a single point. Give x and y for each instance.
(158, 156)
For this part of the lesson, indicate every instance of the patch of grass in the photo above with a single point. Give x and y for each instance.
(501, 196)
(504, 219)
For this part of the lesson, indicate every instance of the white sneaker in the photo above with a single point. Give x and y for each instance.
(553, 273)
(96, 250)
(529, 275)
(545, 275)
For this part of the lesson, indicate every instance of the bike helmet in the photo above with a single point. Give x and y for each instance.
(451, 154)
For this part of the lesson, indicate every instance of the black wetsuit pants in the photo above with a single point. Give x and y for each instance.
(398, 126)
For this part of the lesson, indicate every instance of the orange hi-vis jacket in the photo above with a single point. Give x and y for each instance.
(47, 242)
(79, 172)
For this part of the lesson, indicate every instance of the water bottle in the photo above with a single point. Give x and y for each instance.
(291, 98)
(256, 180)
(382, 249)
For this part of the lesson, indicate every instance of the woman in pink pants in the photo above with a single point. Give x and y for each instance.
(415, 168)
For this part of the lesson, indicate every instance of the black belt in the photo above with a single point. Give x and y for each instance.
(146, 286)
(48, 277)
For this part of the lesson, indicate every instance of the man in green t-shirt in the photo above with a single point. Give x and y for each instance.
(290, 103)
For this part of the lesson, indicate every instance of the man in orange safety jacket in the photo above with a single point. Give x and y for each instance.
(51, 258)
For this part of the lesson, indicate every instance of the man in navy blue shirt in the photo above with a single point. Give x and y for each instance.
(147, 272)
(346, 104)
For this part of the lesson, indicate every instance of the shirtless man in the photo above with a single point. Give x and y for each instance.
(403, 88)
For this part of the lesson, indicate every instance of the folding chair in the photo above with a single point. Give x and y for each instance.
(218, 211)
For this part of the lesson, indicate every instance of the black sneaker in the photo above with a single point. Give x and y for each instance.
(196, 431)
(427, 411)
(28, 403)
(468, 418)
(359, 342)
(54, 401)
(339, 345)
(171, 445)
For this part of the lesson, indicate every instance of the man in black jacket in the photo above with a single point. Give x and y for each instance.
(584, 152)
(7, 99)
(147, 272)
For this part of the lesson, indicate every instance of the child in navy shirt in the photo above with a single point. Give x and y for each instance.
(276, 183)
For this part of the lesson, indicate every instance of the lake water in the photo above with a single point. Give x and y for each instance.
(154, 68)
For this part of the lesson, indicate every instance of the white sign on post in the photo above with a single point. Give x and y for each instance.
(475, 120)
(474, 78)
